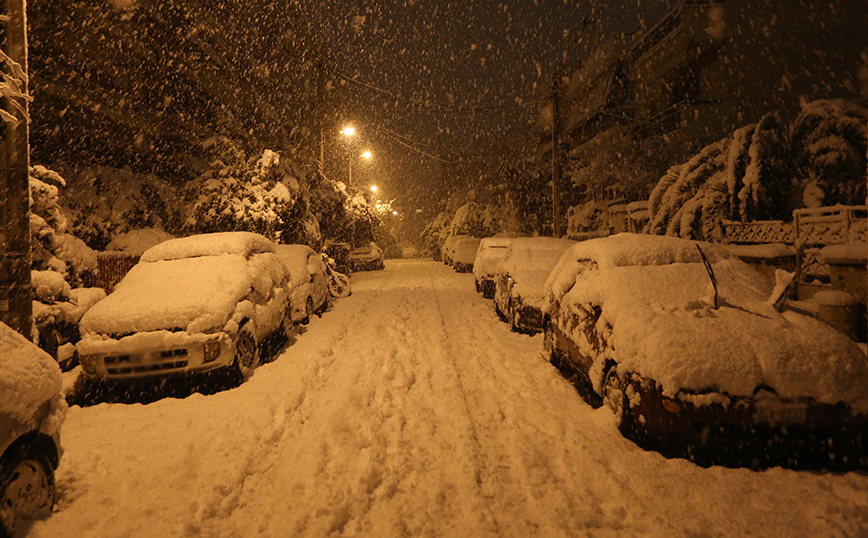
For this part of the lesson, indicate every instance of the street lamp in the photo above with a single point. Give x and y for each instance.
(373, 188)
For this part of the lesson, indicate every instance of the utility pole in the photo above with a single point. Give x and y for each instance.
(556, 157)
(320, 112)
(16, 309)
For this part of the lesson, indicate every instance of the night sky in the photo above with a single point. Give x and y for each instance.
(457, 81)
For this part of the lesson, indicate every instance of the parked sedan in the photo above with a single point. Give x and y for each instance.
(519, 280)
(32, 411)
(367, 258)
(198, 304)
(689, 349)
(464, 254)
(310, 292)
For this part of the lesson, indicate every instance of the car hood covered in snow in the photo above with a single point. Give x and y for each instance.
(659, 321)
(193, 294)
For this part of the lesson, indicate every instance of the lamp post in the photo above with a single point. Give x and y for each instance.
(349, 132)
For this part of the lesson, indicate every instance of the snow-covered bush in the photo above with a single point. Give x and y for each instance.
(475, 220)
(235, 194)
(765, 171)
(102, 203)
(431, 234)
(136, 242)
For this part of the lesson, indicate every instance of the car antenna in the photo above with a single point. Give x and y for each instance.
(710, 276)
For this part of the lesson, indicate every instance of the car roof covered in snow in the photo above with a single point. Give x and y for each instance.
(529, 261)
(295, 257)
(465, 249)
(214, 244)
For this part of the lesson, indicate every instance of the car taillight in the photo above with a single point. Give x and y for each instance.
(212, 351)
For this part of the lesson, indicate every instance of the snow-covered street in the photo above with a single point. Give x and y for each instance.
(409, 409)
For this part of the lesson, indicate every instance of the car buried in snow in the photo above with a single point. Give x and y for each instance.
(696, 353)
(519, 280)
(200, 304)
(491, 251)
(464, 254)
(310, 292)
(448, 247)
(32, 411)
(369, 257)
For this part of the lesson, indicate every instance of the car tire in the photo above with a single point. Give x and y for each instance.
(246, 356)
(27, 488)
(511, 318)
(549, 352)
(615, 398)
(308, 310)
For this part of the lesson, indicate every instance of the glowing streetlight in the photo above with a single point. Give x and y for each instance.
(373, 188)
(348, 131)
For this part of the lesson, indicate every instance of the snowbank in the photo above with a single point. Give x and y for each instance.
(136, 242)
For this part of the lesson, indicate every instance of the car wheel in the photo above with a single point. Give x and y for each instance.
(26, 489)
(615, 398)
(325, 304)
(308, 310)
(246, 356)
(513, 320)
(549, 345)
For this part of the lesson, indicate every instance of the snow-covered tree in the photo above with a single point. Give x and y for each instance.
(52, 247)
(258, 195)
(433, 231)
(832, 136)
(765, 171)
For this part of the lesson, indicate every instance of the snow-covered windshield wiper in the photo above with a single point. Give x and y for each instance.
(710, 276)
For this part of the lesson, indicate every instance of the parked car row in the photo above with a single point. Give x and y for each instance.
(694, 351)
(205, 304)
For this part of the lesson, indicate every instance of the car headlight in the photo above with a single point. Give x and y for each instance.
(212, 350)
(88, 364)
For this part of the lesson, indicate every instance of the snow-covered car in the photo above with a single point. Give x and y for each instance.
(32, 411)
(367, 258)
(694, 348)
(464, 254)
(197, 304)
(310, 291)
(448, 247)
(520, 277)
(491, 250)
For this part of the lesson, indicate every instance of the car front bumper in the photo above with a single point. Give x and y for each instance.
(145, 355)
(773, 431)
